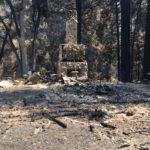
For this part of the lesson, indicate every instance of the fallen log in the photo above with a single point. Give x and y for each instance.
(65, 114)
(106, 125)
(46, 115)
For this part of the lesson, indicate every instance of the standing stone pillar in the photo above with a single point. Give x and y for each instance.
(71, 29)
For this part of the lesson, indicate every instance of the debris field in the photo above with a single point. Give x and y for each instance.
(88, 115)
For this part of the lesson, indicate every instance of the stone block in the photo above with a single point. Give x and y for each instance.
(74, 69)
(72, 52)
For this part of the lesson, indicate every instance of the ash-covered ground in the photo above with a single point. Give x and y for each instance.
(85, 116)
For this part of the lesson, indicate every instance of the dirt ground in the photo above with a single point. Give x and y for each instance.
(86, 118)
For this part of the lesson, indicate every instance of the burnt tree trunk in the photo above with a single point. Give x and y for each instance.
(40, 9)
(79, 18)
(14, 16)
(24, 58)
(146, 61)
(20, 33)
(5, 38)
(118, 37)
(125, 41)
(134, 35)
(36, 22)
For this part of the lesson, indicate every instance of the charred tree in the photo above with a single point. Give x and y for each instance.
(21, 39)
(20, 33)
(39, 8)
(36, 21)
(79, 19)
(5, 38)
(118, 38)
(125, 41)
(14, 16)
(146, 60)
(134, 35)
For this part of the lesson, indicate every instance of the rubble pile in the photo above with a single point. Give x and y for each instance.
(109, 111)
(33, 78)
(105, 93)
(126, 94)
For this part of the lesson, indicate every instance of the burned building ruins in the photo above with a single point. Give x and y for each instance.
(72, 54)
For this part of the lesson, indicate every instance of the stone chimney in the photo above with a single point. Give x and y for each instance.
(72, 56)
(71, 29)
